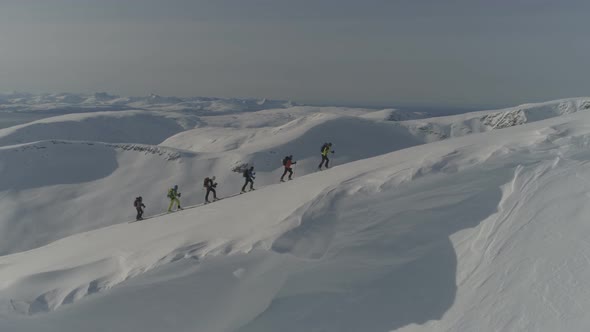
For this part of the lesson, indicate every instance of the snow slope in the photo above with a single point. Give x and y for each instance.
(53, 189)
(497, 218)
(354, 138)
(113, 127)
(90, 178)
(480, 233)
(61, 177)
(434, 129)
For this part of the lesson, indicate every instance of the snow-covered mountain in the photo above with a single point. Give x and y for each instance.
(65, 103)
(476, 122)
(473, 222)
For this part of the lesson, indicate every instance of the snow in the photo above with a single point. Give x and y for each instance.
(76, 103)
(412, 230)
(113, 127)
(476, 122)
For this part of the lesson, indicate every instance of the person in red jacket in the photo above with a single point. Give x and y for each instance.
(287, 162)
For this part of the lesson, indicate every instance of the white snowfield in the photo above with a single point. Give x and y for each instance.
(61, 103)
(485, 232)
(112, 126)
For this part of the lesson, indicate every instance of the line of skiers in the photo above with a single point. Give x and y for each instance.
(249, 175)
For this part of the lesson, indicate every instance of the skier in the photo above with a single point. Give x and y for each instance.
(210, 185)
(139, 207)
(287, 162)
(173, 194)
(325, 150)
(249, 175)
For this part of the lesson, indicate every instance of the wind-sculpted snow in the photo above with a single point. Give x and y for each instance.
(479, 233)
(435, 129)
(505, 119)
(85, 179)
(167, 153)
(374, 259)
(531, 113)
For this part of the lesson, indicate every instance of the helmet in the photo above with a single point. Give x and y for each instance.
(213, 178)
(330, 144)
(175, 186)
(140, 198)
(290, 156)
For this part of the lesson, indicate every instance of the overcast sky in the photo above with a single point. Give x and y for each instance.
(397, 52)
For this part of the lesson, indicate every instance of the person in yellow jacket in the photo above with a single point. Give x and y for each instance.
(173, 194)
(325, 150)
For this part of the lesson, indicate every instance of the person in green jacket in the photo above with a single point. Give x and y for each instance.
(325, 150)
(174, 196)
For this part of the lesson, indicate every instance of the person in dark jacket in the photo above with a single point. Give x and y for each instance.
(249, 176)
(287, 163)
(210, 185)
(139, 207)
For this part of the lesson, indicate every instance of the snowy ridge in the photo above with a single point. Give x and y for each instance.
(486, 232)
(434, 129)
(534, 112)
(155, 256)
(302, 229)
(397, 115)
(76, 166)
(77, 103)
(505, 119)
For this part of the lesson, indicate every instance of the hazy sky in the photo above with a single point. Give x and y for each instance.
(398, 52)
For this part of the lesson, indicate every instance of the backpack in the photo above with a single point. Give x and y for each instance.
(285, 161)
(135, 202)
(240, 168)
(205, 182)
(246, 173)
(170, 195)
(323, 147)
